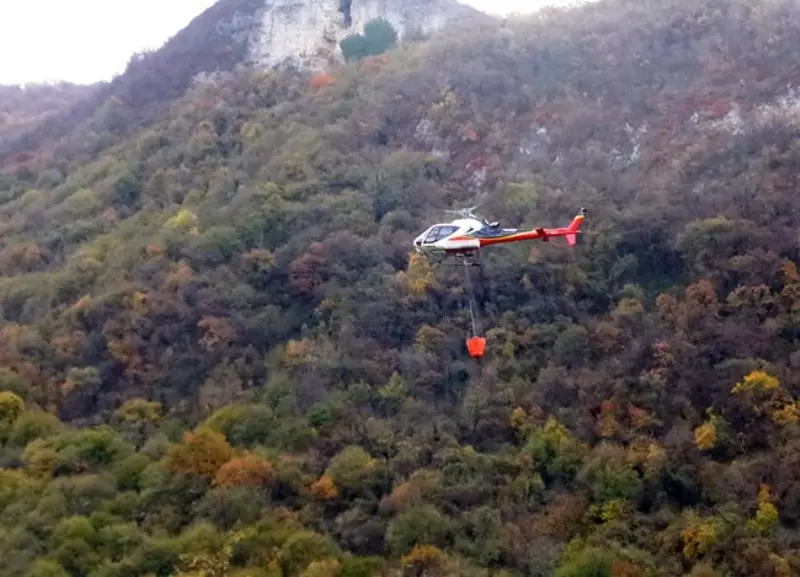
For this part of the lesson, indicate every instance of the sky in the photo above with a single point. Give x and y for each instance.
(85, 41)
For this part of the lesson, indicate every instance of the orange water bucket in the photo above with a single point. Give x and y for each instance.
(476, 346)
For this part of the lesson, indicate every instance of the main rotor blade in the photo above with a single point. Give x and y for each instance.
(480, 200)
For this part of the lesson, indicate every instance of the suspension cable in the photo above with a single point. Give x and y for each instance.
(470, 295)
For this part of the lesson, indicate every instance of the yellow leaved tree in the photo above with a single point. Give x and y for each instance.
(712, 433)
(11, 406)
(419, 274)
(699, 536)
(185, 220)
(766, 397)
(209, 563)
(766, 517)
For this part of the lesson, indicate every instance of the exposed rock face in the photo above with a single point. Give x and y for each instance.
(306, 33)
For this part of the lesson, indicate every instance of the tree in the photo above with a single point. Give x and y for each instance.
(11, 406)
(351, 468)
(379, 36)
(423, 558)
(767, 514)
(201, 453)
(47, 568)
(422, 525)
(322, 80)
(212, 560)
(247, 470)
(139, 411)
(244, 252)
(127, 189)
(586, 562)
(303, 548)
(34, 424)
(354, 47)
(324, 488)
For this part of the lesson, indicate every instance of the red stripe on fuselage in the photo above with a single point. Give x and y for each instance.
(517, 236)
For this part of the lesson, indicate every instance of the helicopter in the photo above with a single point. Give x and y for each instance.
(465, 236)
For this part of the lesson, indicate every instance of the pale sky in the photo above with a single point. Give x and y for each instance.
(87, 41)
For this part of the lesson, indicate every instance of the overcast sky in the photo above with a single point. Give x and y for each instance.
(90, 40)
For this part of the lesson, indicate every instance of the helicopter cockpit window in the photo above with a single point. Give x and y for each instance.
(439, 232)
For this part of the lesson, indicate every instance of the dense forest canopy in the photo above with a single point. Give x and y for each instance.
(219, 355)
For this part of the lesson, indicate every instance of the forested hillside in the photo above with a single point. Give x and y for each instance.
(219, 355)
(22, 107)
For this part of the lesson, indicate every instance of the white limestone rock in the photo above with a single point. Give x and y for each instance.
(306, 33)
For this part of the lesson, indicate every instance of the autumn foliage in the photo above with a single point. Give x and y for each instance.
(423, 559)
(324, 488)
(220, 354)
(201, 453)
(247, 470)
(321, 80)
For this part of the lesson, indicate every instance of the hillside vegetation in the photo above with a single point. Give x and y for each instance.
(219, 356)
(22, 107)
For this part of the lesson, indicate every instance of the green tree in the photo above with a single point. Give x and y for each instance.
(379, 36)
(303, 548)
(46, 568)
(351, 468)
(422, 525)
(586, 562)
(354, 47)
(34, 424)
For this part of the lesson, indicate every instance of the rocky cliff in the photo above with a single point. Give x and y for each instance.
(306, 33)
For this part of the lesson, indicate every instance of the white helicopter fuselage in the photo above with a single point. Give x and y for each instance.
(445, 237)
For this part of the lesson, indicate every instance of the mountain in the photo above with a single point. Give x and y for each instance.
(219, 354)
(241, 33)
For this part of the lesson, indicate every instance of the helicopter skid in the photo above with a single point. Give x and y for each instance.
(468, 258)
